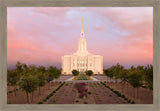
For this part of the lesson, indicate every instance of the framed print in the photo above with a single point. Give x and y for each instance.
(79, 55)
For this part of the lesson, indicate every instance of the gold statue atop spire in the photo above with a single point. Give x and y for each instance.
(82, 32)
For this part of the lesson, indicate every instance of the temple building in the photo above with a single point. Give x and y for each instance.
(82, 60)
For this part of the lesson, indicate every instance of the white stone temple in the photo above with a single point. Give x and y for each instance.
(82, 60)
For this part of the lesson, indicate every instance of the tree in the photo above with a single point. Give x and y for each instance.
(140, 68)
(41, 81)
(75, 72)
(106, 72)
(41, 69)
(28, 83)
(109, 72)
(32, 69)
(124, 78)
(49, 77)
(13, 78)
(133, 68)
(89, 72)
(25, 69)
(118, 70)
(148, 70)
(53, 70)
(19, 68)
(135, 78)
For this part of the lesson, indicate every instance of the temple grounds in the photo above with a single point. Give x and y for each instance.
(95, 90)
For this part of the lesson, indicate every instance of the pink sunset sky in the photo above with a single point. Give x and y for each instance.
(41, 36)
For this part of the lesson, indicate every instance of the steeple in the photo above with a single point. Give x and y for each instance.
(82, 46)
(82, 32)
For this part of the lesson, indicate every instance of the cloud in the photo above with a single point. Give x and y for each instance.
(41, 35)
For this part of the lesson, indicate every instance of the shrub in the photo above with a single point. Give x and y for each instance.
(51, 95)
(57, 88)
(67, 84)
(81, 95)
(47, 97)
(132, 102)
(76, 101)
(119, 94)
(10, 91)
(53, 101)
(123, 96)
(53, 92)
(82, 77)
(128, 100)
(89, 72)
(44, 100)
(111, 89)
(40, 102)
(81, 89)
(75, 72)
(89, 93)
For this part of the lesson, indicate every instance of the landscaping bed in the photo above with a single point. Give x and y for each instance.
(66, 95)
(103, 95)
(83, 94)
(20, 97)
(82, 77)
(127, 90)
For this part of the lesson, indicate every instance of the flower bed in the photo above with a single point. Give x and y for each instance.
(82, 90)
(82, 77)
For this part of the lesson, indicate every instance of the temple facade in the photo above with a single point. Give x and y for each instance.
(82, 60)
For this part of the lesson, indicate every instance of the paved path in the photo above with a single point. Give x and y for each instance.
(94, 79)
(100, 94)
(70, 79)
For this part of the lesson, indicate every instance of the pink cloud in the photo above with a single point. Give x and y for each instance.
(43, 35)
(99, 28)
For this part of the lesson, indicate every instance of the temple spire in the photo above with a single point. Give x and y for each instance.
(82, 32)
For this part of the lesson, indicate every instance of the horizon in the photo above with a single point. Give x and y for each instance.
(41, 36)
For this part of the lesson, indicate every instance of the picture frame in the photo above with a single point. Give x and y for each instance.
(79, 3)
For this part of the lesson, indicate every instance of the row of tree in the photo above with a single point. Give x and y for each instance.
(76, 72)
(30, 78)
(136, 76)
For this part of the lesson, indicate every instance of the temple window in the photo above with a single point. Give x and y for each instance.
(82, 46)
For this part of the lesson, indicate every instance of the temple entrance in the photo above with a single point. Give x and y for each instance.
(82, 71)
